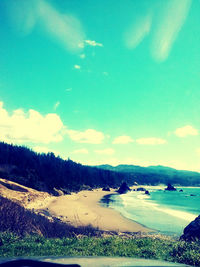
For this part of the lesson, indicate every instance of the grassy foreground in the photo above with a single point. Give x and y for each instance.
(12, 245)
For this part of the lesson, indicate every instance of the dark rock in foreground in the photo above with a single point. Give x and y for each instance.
(147, 192)
(192, 231)
(123, 189)
(106, 188)
(170, 188)
(181, 190)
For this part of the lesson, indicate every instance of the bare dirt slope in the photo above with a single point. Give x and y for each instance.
(25, 196)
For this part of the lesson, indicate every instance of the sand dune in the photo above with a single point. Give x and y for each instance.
(78, 209)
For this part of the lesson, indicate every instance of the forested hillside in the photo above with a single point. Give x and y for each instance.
(46, 171)
(156, 174)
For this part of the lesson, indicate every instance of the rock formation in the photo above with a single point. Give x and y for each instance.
(141, 189)
(106, 188)
(192, 231)
(170, 188)
(123, 188)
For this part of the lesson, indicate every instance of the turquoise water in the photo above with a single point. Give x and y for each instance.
(164, 211)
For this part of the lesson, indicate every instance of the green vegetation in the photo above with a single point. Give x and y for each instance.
(45, 172)
(177, 251)
(18, 220)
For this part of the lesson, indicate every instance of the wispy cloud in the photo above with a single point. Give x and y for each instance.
(138, 30)
(77, 67)
(93, 43)
(30, 127)
(63, 28)
(164, 30)
(22, 16)
(57, 104)
(106, 151)
(68, 89)
(186, 131)
(89, 136)
(80, 151)
(67, 29)
(151, 141)
(169, 27)
(124, 139)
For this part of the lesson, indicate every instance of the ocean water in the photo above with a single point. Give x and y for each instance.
(165, 211)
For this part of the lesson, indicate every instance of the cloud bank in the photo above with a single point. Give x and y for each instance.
(31, 126)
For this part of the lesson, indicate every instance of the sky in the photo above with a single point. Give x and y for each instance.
(102, 82)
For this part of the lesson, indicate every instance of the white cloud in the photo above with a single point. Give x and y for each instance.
(68, 89)
(169, 27)
(150, 141)
(43, 149)
(57, 104)
(77, 67)
(64, 28)
(82, 56)
(185, 131)
(21, 127)
(80, 151)
(89, 136)
(137, 32)
(106, 151)
(93, 43)
(124, 139)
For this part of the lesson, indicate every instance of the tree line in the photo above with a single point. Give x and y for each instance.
(47, 171)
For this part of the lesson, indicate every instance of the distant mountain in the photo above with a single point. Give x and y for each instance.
(156, 174)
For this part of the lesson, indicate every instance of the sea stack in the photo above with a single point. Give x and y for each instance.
(123, 188)
(170, 188)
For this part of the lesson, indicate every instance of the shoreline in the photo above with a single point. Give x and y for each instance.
(84, 208)
(107, 197)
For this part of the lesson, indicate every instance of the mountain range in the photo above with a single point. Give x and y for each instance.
(153, 175)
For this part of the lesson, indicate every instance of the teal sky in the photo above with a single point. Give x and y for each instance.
(102, 81)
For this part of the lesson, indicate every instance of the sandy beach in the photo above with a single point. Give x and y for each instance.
(83, 208)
